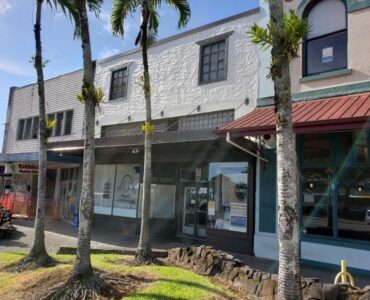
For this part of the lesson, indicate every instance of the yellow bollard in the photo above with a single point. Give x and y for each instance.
(343, 274)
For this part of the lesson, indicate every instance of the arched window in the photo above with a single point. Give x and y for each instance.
(325, 46)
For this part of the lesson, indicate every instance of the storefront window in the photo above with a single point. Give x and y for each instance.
(316, 204)
(360, 146)
(316, 148)
(162, 201)
(353, 196)
(227, 205)
(104, 188)
(335, 191)
(117, 190)
(126, 191)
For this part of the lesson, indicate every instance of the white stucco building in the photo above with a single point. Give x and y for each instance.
(202, 187)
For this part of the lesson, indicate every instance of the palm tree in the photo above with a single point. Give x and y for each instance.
(84, 283)
(38, 255)
(148, 31)
(284, 35)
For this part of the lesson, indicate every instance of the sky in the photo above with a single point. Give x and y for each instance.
(17, 44)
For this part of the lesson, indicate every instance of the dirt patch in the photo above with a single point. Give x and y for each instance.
(34, 287)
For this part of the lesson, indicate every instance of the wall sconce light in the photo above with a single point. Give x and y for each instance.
(97, 122)
(135, 150)
(246, 101)
(61, 154)
(311, 185)
(359, 189)
(162, 113)
(198, 108)
(129, 118)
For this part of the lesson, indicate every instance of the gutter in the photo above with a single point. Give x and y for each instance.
(229, 141)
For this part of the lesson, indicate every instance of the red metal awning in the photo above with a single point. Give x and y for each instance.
(332, 114)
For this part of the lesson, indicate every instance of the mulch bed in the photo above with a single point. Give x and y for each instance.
(36, 289)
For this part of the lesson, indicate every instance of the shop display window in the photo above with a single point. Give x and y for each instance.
(116, 190)
(353, 196)
(335, 185)
(228, 196)
(104, 188)
(162, 201)
(126, 191)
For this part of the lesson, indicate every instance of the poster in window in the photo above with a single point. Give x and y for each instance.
(126, 190)
(238, 216)
(327, 55)
(104, 188)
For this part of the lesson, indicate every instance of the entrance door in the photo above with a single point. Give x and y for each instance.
(195, 211)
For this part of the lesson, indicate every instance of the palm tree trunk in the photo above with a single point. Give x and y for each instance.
(82, 267)
(144, 247)
(289, 286)
(38, 251)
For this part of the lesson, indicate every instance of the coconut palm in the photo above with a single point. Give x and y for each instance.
(84, 283)
(148, 31)
(284, 36)
(38, 256)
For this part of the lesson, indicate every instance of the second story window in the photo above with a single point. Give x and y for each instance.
(325, 46)
(213, 62)
(118, 85)
(63, 124)
(28, 128)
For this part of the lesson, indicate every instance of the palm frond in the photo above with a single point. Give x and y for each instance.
(95, 6)
(183, 8)
(120, 10)
(153, 21)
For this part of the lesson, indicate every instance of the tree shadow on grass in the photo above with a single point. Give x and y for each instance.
(155, 296)
(193, 285)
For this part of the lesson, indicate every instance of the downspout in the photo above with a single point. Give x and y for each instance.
(229, 141)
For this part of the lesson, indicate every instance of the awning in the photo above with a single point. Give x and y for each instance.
(332, 114)
(34, 157)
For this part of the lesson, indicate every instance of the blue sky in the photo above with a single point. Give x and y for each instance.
(64, 53)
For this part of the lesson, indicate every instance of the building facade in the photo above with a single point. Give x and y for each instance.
(202, 187)
(331, 109)
(20, 147)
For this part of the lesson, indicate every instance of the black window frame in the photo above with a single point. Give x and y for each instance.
(306, 41)
(111, 86)
(209, 43)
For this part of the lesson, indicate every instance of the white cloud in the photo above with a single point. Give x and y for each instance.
(107, 52)
(15, 68)
(58, 15)
(4, 6)
(104, 18)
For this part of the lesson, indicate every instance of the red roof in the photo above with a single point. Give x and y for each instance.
(332, 114)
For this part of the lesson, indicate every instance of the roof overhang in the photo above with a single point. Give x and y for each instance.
(350, 112)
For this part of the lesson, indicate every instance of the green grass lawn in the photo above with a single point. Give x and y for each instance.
(167, 282)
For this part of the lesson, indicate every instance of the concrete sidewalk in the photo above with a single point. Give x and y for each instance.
(60, 233)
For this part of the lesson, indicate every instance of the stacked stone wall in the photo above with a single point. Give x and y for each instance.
(262, 285)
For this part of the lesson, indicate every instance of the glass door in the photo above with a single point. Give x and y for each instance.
(195, 211)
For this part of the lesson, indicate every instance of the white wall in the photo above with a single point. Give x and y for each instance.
(174, 77)
(265, 85)
(60, 93)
